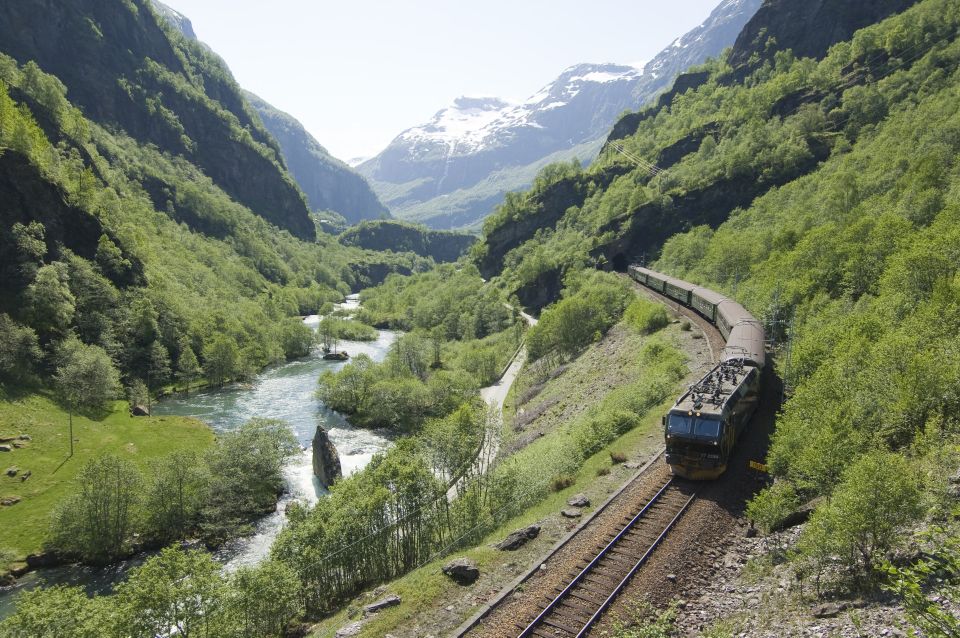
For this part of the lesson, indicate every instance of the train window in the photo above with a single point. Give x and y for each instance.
(679, 424)
(707, 427)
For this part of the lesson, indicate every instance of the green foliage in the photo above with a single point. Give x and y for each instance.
(399, 236)
(96, 523)
(768, 509)
(593, 301)
(929, 587)
(878, 495)
(646, 316)
(221, 359)
(246, 470)
(179, 590)
(180, 493)
(57, 612)
(19, 350)
(86, 376)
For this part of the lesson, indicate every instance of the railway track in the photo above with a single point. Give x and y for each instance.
(598, 579)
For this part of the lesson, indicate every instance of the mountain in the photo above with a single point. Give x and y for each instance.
(124, 70)
(453, 170)
(144, 209)
(328, 183)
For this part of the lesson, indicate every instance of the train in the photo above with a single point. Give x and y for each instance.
(702, 428)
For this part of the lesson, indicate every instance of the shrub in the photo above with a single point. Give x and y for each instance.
(878, 495)
(618, 457)
(646, 316)
(561, 482)
(685, 325)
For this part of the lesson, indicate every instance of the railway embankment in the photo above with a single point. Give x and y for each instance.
(432, 603)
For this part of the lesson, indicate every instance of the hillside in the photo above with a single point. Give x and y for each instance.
(129, 245)
(821, 193)
(328, 183)
(126, 69)
(453, 170)
(439, 245)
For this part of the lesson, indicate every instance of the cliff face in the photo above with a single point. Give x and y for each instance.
(326, 460)
(328, 183)
(127, 69)
(442, 246)
(808, 28)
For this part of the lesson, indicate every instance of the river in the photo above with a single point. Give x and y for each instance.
(285, 391)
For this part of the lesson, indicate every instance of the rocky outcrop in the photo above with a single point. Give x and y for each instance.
(440, 245)
(326, 460)
(807, 28)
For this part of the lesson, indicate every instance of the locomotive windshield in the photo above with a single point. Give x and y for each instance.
(683, 425)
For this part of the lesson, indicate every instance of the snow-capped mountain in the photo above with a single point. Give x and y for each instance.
(453, 170)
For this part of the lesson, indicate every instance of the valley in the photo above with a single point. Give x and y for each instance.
(248, 390)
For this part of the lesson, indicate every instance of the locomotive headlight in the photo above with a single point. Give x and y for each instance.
(698, 414)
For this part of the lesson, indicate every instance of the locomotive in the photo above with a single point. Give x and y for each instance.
(704, 423)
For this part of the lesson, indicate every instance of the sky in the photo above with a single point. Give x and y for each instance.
(357, 73)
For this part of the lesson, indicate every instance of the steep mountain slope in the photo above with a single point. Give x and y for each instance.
(328, 183)
(126, 68)
(452, 171)
(135, 250)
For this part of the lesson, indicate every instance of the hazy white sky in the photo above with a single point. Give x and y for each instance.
(358, 72)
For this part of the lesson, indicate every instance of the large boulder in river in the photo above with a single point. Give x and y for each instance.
(326, 461)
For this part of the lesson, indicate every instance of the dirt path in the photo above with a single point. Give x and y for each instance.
(494, 396)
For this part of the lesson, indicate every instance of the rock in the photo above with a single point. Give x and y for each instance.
(139, 410)
(462, 570)
(25, 437)
(43, 559)
(390, 601)
(672, 578)
(25, 475)
(579, 500)
(632, 466)
(326, 460)
(516, 540)
(6, 448)
(353, 629)
(9, 501)
(570, 513)
(826, 610)
(12, 471)
(751, 532)
(800, 515)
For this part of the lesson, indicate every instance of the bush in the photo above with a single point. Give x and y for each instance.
(618, 457)
(647, 317)
(879, 494)
(561, 482)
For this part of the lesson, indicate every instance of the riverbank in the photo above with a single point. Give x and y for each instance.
(284, 391)
(40, 473)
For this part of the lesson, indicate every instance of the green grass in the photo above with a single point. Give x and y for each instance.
(46, 456)
(427, 588)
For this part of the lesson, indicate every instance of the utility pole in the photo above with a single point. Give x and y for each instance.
(70, 418)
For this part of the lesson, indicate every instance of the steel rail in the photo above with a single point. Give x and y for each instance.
(539, 620)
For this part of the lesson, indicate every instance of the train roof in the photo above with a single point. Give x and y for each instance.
(711, 394)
